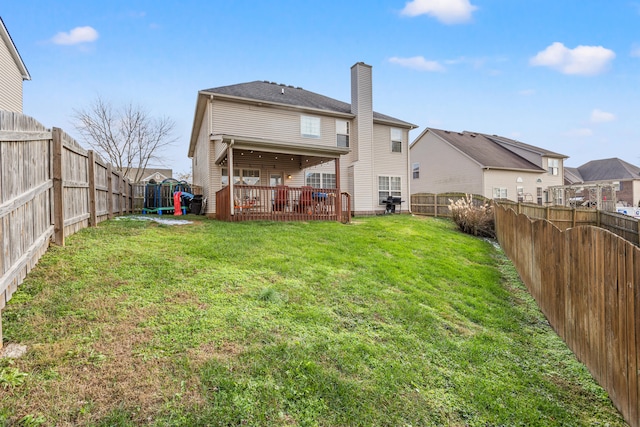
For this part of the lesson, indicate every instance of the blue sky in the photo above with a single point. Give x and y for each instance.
(559, 74)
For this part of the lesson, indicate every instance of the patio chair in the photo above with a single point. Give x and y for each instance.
(281, 198)
(306, 202)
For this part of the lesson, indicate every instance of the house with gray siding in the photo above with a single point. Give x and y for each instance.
(492, 166)
(12, 71)
(250, 138)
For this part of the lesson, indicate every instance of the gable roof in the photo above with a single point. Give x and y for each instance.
(521, 145)
(485, 151)
(572, 176)
(275, 93)
(6, 37)
(608, 169)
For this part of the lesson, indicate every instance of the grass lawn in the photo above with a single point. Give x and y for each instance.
(388, 321)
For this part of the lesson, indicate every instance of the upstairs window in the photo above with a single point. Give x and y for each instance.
(415, 168)
(553, 165)
(396, 140)
(310, 126)
(342, 133)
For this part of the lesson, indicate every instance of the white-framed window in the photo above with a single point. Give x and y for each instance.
(389, 186)
(520, 192)
(539, 195)
(415, 169)
(553, 166)
(499, 193)
(310, 126)
(396, 140)
(342, 133)
(320, 179)
(241, 176)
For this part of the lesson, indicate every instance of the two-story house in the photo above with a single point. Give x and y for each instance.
(273, 151)
(493, 166)
(13, 72)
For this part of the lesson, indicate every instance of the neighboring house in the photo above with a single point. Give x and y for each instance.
(273, 135)
(157, 175)
(624, 176)
(12, 71)
(493, 166)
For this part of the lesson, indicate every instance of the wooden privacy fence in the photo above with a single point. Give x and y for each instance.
(563, 217)
(50, 187)
(586, 280)
(437, 205)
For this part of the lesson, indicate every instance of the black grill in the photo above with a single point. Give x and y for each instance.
(391, 203)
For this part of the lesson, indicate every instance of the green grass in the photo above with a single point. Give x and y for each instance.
(389, 321)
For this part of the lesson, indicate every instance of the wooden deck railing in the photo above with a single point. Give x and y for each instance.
(282, 203)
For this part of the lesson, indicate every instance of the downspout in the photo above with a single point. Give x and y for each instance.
(409, 172)
(230, 175)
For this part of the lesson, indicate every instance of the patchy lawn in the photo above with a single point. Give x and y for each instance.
(392, 320)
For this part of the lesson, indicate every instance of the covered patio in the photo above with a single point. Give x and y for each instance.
(287, 197)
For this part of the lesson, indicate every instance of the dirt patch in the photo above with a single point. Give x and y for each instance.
(104, 375)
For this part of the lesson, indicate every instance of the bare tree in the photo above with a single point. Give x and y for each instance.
(127, 136)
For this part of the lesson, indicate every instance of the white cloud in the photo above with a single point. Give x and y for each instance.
(417, 63)
(76, 36)
(578, 133)
(599, 116)
(527, 92)
(583, 60)
(445, 11)
(635, 51)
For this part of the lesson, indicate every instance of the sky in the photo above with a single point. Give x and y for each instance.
(563, 75)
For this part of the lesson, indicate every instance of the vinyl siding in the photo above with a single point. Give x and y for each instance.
(444, 169)
(365, 191)
(200, 165)
(268, 123)
(11, 81)
(388, 163)
(509, 180)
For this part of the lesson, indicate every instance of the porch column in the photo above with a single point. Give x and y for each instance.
(230, 175)
(339, 196)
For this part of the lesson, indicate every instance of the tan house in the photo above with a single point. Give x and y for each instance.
(292, 153)
(445, 161)
(13, 72)
(149, 174)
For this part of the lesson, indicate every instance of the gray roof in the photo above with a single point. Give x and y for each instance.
(295, 96)
(572, 176)
(608, 169)
(485, 151)
(541, 151)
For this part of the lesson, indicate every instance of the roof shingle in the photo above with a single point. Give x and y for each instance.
(485, 151)
(294, 96)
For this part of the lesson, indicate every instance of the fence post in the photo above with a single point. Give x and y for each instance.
(435, 205)
(93, 215)
(573, 217)
(122, 195)
(58, 207)
(110, 192)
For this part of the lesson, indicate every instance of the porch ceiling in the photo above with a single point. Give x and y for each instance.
(263, 150)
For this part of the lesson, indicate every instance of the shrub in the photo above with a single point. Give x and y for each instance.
(473, 216)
